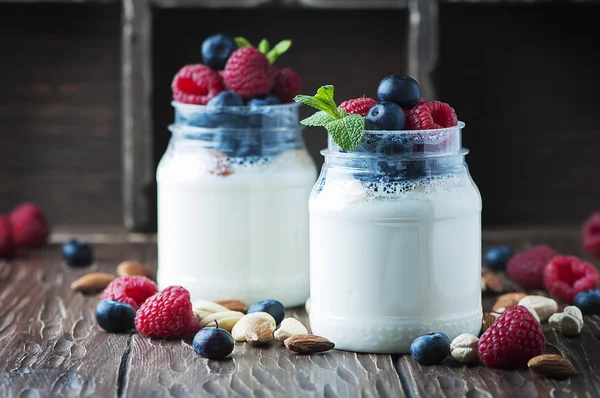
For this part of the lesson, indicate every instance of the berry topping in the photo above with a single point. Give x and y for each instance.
(77, 253)
(263, 100)
(358, 106)
(385, 116)
(286, 83)
(247, 72)
(213, 343)
(431, 115)
(588, 302)
(430, 349)
(29, 226)
(512, 340)
(527, 268)
(7, 245)
(114, 316)
(496, 257)
(590, 234)
(224, 99)
(217, 49)
(566, 276)
(167, 314)
(196, 84)
(133, 290)
(402, 90)
(271, 307)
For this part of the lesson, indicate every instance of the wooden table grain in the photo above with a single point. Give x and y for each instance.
(50, 345)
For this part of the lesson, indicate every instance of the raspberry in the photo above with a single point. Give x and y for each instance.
(286, 83)
(167, 314)
(566, 276)
(590, 234)
(29, 225)
(247, 72)
(133, 290)
(358, 106)
(196, 84)
(527, 268)
(430, 115)
(512, 340)
(7, 245)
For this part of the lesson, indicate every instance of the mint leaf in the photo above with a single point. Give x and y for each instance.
(318, 103)
(318, 119)
(279, 49)
(263, 46)
(347, 132)
(242, 42)
(326, 92)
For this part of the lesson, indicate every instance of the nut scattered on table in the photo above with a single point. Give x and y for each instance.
(544, 307)
(92, 283)
(569, 322)
(552, 365)
(259, 335)
(507, 300)
(289, 327)
(487, 320)
(225, 320)
(203, 308)
(247, 321)
(491, 283)
(134, 268)
(308, 344)
(464, 348)
(233, 305)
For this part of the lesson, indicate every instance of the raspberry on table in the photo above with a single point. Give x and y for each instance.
(167, 314)
(358, 106)
(196, 84)
(29, 225)
(527, 267)
(512, 340)
(7, 244)
(286, 83)
(590, 234)
(566, 276)
(247, 73)
(430, 115)
(132, 290)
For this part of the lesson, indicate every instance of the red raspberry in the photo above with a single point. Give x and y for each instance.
(196, 84)
(358, 106)
(247, 72)
(286, 83)
(527, 268)
(512, 340)
(7, 245)
(430, 115)
(29, 225)
(566, 276)
(167, 314)
(590, 234)
(133, 290)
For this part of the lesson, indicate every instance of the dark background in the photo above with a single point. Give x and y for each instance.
(524, 78)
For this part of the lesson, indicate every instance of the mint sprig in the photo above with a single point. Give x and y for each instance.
(346, 130)
(271, 53)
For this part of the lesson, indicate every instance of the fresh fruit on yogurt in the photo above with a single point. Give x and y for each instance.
(358, 106)
(167, 314)
(217, 49)
(132, 290)
(263, 100)
(496, 257)
(271, 307)
(527, 267)
(247, 73)
(431, 115)
(590, 234)
(77, 253)
(512, 340)
(385, 116)
(566, 276)
(286, 83)
(224, 99)
(29, 225)
(213, 343)
(402, 90)
(7, 245)
(114, 316)
(588, 302)
(196, 84)
(430, 349)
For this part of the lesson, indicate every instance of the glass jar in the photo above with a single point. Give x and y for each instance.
(395, 242)
(232, 215)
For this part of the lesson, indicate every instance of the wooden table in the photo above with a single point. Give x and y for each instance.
(51, 346)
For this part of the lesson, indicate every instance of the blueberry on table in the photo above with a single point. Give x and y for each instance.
(213, 343)
(271, 307)
(224, 99)
(430, 349)
(496, 257)
(114, 316)
(588, 302)
(216, 50)
(385, 116)
(77, 253)
(401, 90)
(263, 100)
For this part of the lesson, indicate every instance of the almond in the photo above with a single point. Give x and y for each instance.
(491, 283)
(308, 344)
(487, 321)
(507, 300)
(134, 268)
(552, 365)
(233, 305)
(92, 283)
(258, 335)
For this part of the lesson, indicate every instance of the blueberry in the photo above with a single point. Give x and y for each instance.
(224, 99)
(216, 49)
(385, 116)
(588, 302)
(114, 316)
(77, 253)
(249, 146)
(402, 90)
(213, 343)
(273, 307)
(263, 100)
(430, 349)
(496, 257)
(390, 147)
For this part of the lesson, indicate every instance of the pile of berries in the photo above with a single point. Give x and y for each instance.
(25, 226)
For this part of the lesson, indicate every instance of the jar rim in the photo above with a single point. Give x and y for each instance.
(191, 107)
(460, 125)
